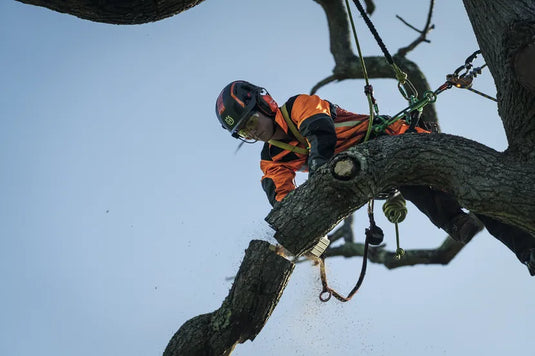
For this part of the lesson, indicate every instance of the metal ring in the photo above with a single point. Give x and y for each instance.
(325, 299)
(432, 97)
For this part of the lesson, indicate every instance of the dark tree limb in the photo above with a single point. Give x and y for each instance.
(118, 12)
(440, 255)
(324, 82)
(479, 177)
(257, 288)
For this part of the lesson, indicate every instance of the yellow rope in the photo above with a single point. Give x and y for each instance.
(364, 72)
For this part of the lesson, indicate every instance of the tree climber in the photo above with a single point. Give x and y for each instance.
(304, 133)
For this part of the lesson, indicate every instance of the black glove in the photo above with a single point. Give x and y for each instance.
(314, 164)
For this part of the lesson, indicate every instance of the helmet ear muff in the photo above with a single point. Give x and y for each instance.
(266, 104)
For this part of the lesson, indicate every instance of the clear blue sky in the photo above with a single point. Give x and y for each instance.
(124, 207)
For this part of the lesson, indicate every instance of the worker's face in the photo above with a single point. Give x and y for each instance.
(258, 127)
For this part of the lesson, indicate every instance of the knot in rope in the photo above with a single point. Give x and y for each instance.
(404, 83)
(401, 76)
(395, 208)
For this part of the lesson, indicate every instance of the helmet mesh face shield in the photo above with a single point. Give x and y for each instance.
(235, 104)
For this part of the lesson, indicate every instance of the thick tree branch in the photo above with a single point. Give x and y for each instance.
(118, 12)
(481, 179)
(257, 288)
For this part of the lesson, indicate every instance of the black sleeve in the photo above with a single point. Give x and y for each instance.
(319, 131)
(269, 187)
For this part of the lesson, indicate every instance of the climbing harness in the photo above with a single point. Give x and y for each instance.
(295, 132)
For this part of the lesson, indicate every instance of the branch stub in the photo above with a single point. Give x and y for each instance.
(345, 167)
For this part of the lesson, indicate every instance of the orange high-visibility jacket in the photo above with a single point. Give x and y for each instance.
(328, 129)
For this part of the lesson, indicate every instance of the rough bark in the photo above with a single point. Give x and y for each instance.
(118, 12)
(257, 288)
(500, 185)
(483, 180)
(502, 28)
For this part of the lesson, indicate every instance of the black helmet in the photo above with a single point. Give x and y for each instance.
(238, 100)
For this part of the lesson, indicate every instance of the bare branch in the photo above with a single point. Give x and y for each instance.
(402, 52)
(408, 24)
(322, 83)
(440, 255)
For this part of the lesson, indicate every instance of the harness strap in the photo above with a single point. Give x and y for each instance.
(292, 127)
(295, 132)
(288, 147)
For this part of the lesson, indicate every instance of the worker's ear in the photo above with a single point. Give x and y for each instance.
(267, 104)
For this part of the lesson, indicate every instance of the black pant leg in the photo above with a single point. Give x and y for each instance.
(439, 207)
(516, 239)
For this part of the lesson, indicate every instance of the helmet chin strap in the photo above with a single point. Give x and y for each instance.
(242, 142)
